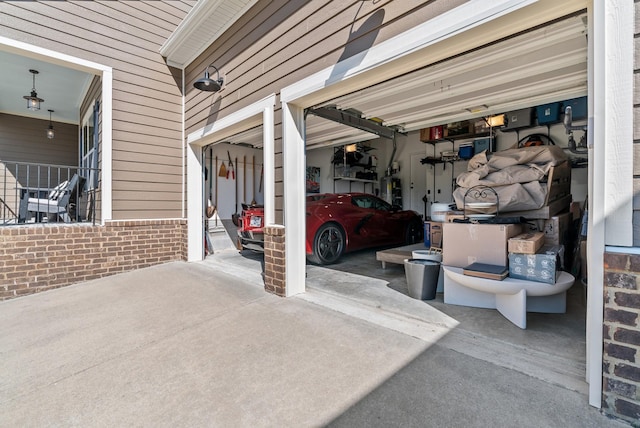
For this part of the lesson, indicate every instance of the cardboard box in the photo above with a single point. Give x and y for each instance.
(467, 243)
(556, 229)
(433, 234)
(583, 260)
(454, 215)
(544, 266)
(526, 243)
(576, 210)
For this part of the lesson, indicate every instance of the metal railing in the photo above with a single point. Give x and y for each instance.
(44, 193)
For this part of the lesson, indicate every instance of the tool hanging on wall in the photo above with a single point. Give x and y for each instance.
(253, 180)
(223, 171)
(231, 171)
(261, 177)
(235, 217)
(215, 202)
(244, 179)
(211, 207)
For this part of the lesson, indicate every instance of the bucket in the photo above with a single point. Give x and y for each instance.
(422, 278)
(439, 211)
(436, 257)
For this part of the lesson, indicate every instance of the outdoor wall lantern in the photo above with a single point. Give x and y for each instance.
(33, 102)
(207, 84)
(50, 132)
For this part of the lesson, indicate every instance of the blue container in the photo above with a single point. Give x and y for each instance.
(465, 151)
(427, 234)
(578, 107)
(481, 144)
(548, 113)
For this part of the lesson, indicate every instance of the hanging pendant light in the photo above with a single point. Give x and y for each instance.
(50, 132)
(33, 102)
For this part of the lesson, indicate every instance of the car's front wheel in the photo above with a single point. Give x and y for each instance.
(328, 244)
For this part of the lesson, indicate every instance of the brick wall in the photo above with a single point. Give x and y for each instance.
(621, 358)
(274, 264)
(36, 258)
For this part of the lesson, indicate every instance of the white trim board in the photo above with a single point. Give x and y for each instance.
(459, 27)
(258, 113)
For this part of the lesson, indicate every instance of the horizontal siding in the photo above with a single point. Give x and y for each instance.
(23, 139)
(636, 130)
(147, 168)
(147, 113)
(280, 42)
(146, 187)
(309, 37)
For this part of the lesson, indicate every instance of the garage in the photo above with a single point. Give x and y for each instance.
(451, 73)
(386, 124)
(406, 140)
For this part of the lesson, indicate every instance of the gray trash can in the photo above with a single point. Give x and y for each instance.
(422, 278)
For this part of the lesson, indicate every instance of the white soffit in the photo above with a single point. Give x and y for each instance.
(200, 28)
(544, 65)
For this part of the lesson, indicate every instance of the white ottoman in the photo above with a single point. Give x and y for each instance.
(513, 298)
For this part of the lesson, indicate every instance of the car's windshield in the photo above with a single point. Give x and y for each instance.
(364, 201)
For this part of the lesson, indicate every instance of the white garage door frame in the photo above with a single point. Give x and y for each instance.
(259, 113)
(453, 32)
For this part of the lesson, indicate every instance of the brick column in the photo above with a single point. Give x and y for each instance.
(621, 333)
(274, 263)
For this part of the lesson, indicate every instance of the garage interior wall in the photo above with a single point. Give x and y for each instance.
(438, 179)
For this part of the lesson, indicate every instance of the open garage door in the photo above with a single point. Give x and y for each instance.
(547, 64)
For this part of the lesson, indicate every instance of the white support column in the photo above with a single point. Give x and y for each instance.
(293, 147)
(615, 62)
(195, 211)
(107, 146)
(610, 141)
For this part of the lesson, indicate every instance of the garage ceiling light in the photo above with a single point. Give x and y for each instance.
(497, 120)
(351, 148)
(477, 109)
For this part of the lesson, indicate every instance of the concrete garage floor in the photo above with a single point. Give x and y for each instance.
(552, 348)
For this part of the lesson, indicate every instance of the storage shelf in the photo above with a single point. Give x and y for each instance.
(346, 167)
(359, 180)
(454, 138)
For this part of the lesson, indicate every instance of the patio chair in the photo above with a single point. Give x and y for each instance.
(60, 202)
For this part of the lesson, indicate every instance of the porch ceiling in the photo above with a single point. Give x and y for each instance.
(61, 88)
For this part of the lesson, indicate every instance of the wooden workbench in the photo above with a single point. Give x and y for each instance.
(397, 255)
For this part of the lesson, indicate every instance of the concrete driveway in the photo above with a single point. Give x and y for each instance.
(188, 344)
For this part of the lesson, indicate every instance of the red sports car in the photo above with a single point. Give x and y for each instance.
(339, 223)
